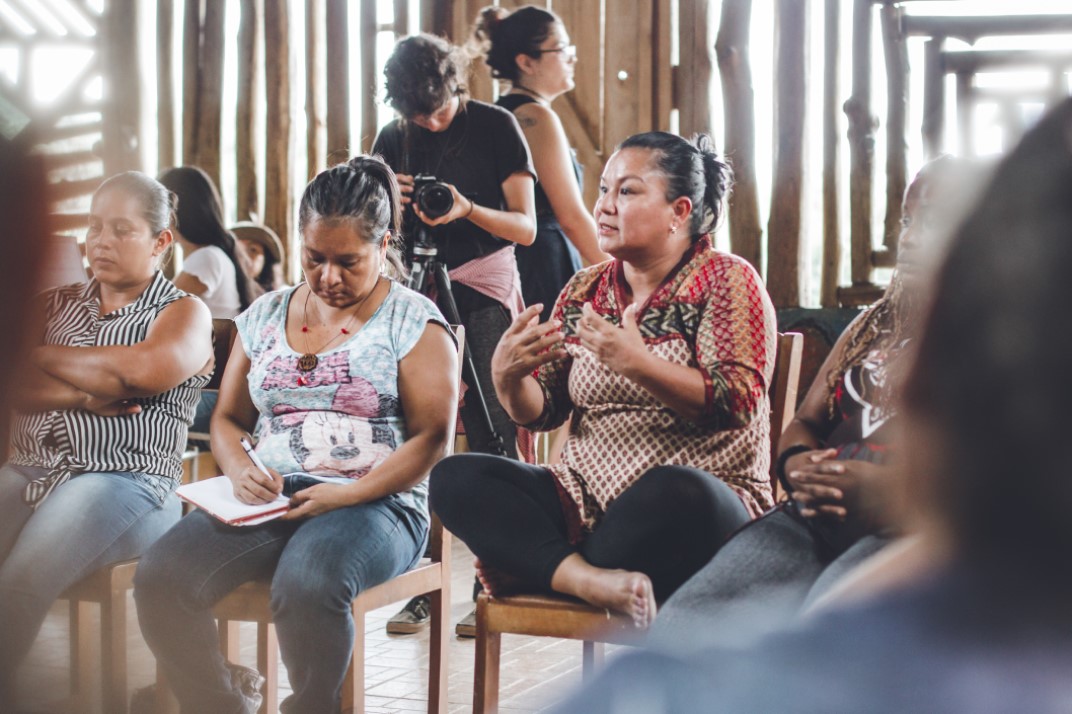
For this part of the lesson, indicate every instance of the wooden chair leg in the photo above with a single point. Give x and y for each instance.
(230, 640)
(438, 650)
(591, 659)
(268, 666)
(166, 703)
(486, 676)
(353, 686)
(81, 653)
(113, 623)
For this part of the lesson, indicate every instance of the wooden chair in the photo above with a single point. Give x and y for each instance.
(223, 339)
(568, 618)
(431, 577)
(108, 588)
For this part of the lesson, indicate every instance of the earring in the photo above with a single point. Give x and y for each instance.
(673, 228)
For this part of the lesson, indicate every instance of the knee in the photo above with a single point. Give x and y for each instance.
(695, 495)
(453, 480)
(308, 590)
(158, 579)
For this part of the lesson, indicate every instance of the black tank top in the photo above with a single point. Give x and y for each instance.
(511, 102)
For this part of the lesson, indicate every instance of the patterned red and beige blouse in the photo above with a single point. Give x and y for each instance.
(712, 313)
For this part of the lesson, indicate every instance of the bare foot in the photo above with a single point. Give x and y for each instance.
(496, 582)
(622, 591)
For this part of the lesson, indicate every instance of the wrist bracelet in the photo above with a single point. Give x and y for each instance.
(472, 205)
(779, 468)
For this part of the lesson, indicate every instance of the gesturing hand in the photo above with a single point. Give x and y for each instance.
(622, 349)
(526, 344)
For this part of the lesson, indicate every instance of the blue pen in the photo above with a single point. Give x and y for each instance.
(248, 448)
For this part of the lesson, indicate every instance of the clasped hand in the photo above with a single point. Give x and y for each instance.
(824, 486)
(254, 487)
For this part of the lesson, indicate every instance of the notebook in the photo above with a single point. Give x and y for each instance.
(216, 497)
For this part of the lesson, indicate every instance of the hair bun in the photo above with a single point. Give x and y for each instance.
(488, 20)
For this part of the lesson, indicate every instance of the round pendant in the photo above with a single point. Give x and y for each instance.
(307, 362)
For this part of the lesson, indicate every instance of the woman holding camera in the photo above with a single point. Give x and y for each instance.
(530, 49)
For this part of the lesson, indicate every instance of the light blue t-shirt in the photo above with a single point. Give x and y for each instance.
(342, 418)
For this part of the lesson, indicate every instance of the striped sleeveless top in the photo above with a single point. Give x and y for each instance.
(70, 442)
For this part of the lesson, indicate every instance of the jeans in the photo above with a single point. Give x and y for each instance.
(90, 521)
(755, 584)
(316, 567)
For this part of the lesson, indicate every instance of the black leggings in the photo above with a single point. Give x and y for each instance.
(667, 525)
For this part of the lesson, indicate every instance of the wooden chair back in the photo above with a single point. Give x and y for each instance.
(783, 394)
(569, 618)
(224, 332)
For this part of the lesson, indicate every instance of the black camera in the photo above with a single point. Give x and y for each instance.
(432, 196)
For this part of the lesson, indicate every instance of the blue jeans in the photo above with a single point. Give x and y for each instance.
(317, 566)
(86, 523)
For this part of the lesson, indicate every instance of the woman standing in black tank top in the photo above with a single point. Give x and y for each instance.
(530, 49)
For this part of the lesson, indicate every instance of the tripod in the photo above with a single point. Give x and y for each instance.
(427, 267)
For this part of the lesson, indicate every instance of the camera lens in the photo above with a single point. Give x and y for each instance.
(435, 200)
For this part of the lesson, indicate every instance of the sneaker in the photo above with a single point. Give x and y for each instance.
(466, 626)
(249, 682)
(411, 619)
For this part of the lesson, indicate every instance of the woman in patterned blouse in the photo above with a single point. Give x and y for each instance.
(660, 359)
(104, 404)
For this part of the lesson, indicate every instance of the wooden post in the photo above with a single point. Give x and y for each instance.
(933, 97)
(278, 203)
(861, 143)
(250, 79)
(437, 17)
(210, 104)
(165, 83)
(191, 51)
(122, 113)
(315, 89)
(693, 75)
(401, 8)
(338, 81)
(787, 195)
(965, 115)
(369, 75)
(896, 51)
(731, 48)
(831, 175)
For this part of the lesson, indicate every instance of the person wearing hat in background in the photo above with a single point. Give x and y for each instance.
(264, 254)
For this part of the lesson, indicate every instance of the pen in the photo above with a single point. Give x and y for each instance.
(248, 448)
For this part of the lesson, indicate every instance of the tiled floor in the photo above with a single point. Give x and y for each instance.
(536, 672)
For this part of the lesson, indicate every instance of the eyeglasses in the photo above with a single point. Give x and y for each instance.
(568, 51)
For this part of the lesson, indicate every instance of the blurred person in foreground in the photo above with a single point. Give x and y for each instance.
(988, 627)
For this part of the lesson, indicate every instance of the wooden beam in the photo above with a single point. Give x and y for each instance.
(165, 83)
(369, 74)
(437, 17)
(191, 51)
(247, 139)
(315, 87)
(861, 143)
(978, 61)
(693, 75)
(732, 50)
(210, 89)
(122, 111)
(897, 69)
(971, 28)
(401, 25)
(278, 201)
(787, 193)
(965, 114)
(933, 97)
(831, 275)
(338, 80)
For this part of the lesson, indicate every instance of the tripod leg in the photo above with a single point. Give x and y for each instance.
(446, 301)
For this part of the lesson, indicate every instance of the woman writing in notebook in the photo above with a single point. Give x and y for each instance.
(349, 382)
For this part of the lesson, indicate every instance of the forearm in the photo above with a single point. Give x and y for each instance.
(581, 231)
(509, 225)
(678, 387)
(522, 398)
(799, 433)
(225, 433)
(41, 392)
(105, 372)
